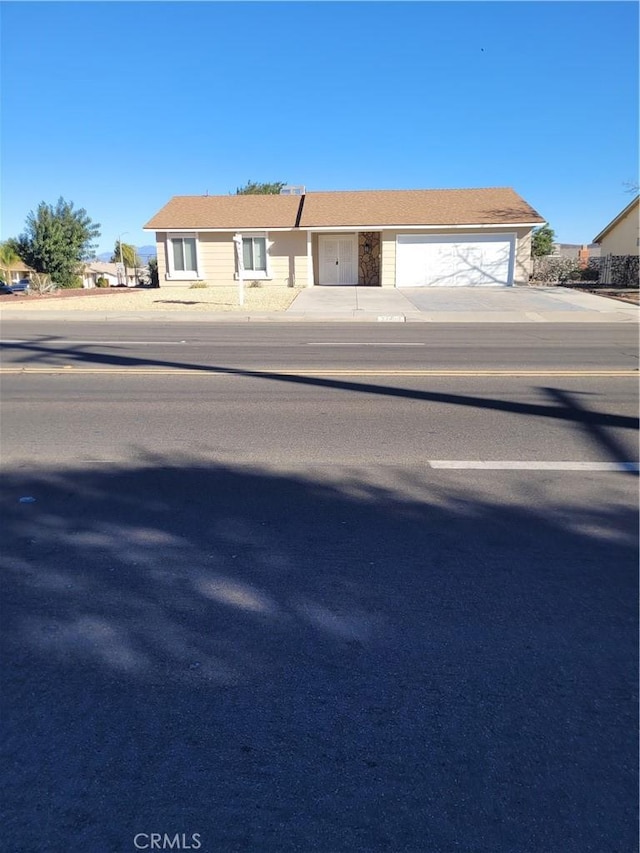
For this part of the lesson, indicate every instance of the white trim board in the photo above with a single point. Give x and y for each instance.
(394, 227)
(349, 228)
(228, 230)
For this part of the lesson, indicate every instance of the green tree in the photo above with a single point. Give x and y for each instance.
(56, 240)
(154, 278)
(542, 241)
(8, 258)
(129, 255)
(252, 188)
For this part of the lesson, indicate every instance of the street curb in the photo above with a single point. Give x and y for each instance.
(621, 315)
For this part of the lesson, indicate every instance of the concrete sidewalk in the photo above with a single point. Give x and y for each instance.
(408, 305)
(460, 305)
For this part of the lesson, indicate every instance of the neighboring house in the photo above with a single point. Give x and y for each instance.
(622, 235)
(18, 271)
(100, 269)
(582, 252)
(386, 238)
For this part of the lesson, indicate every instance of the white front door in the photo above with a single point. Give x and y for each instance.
(338, 259)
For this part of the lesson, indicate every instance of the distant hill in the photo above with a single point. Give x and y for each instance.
(144, 253)
(147, 252)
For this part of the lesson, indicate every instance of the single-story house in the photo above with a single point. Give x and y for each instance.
(101, 269)
(381, 238)
(16, 272)
(622, 235)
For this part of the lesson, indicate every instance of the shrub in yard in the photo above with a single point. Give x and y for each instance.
(551, 269)
(621, 270)
(152, 267)
(198, 285)
(102, 282)
(41, 283)
(592, 271)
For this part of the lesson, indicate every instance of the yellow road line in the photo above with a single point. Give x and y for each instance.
(248, 372)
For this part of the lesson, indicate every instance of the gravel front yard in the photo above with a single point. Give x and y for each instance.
(117, 300)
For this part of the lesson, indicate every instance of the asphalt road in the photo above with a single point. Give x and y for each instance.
(246, 601)
(295, 420)
(304, 345)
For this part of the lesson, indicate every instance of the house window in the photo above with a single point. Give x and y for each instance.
(184, 254)
(254, 254)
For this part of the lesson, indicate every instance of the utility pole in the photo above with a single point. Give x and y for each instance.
(122, 266)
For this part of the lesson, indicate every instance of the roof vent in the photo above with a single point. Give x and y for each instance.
(292, 190)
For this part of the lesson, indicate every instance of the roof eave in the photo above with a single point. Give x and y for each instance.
(392, 226)
(223, 230)
(615, 221)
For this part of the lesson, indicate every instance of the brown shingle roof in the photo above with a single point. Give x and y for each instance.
(360, 208)
(417, 207)
(227, 211)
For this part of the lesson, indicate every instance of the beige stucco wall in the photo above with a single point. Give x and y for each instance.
(161, 243)
(522, 265)
(287, 262)
(623, 237)
(288, 257)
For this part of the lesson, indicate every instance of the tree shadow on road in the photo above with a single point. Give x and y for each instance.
(598, 427)
(285, 662)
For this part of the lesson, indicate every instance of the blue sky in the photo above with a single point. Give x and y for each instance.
(119, 106)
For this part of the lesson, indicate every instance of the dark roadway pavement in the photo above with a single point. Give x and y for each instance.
(248, 606)
(453, 346)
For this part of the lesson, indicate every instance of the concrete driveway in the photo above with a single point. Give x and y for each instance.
(459, 305)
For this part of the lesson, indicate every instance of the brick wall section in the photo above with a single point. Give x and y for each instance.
(583, 257)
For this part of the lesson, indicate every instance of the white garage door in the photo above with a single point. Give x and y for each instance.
(454, 260)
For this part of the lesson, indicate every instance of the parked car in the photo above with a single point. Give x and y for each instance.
(21, 286)
(5, 290)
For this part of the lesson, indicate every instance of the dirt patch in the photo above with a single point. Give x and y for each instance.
(631, 298)
(113, 300)
(70, 293)
(622, 295)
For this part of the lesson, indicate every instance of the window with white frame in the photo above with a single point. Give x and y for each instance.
(182, 256)
(254, 254)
